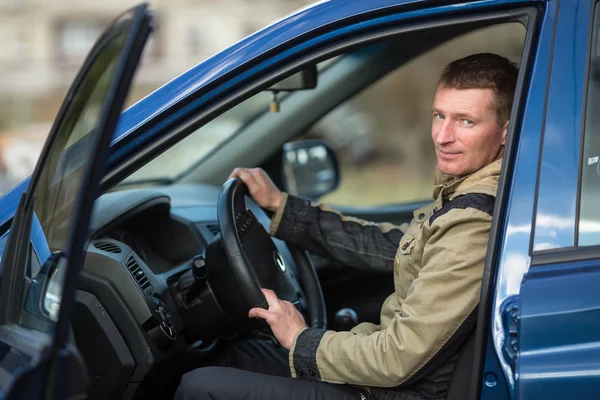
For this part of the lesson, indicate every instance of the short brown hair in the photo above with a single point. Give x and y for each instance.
(484, 71)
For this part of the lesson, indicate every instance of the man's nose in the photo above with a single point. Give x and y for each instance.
(445, 133)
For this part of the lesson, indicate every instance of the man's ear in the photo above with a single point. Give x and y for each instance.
(504, 132)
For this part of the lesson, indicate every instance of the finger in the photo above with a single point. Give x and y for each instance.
(272, 299)
(235, 173)
(259, 313)
(249, 180)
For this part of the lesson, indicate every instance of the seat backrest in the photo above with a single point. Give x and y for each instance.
(460, 381)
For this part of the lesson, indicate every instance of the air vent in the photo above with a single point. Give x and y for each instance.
(108, 247)
(214, 229)
(137, 273)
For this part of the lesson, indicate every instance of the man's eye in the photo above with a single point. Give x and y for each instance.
(467, 122)
(438, 116)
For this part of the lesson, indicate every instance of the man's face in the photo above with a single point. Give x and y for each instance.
(465, 130)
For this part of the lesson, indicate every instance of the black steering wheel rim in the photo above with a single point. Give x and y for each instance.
(242, 233)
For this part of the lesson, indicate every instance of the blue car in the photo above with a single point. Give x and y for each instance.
(125, 259)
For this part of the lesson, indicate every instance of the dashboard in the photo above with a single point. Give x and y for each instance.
(130, 312)
(138, 303)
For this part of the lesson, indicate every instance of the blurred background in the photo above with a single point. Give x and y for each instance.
(43, 43)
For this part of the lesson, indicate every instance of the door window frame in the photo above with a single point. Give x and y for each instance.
(573, 252)
(200, 108)
(557, 201)
(158, 134)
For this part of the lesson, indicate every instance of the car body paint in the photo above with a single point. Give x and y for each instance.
(550, 130)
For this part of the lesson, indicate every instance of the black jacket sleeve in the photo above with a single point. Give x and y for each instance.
(324, 231)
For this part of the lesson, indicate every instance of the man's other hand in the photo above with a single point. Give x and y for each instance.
(283, 318)
(261, 187)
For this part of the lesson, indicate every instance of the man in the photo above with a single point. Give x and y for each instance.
(437, 261)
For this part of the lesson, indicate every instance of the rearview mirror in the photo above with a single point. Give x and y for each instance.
(302, 80)
(310, 168)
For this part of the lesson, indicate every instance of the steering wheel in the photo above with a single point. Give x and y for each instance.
(257, 261)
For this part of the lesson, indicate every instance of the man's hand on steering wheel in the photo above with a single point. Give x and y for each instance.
(262, 189)
(257, 261)
(283, 318)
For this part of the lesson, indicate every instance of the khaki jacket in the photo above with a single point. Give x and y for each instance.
(437, 261)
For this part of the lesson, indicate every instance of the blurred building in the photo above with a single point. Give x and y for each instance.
(43, 43)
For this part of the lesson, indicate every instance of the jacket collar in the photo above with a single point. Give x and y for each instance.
(447, 185)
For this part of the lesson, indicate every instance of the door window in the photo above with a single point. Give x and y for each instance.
(589, 212)
(189, 151)
(71, 148)
(60, 179)
(382, 136)
(59, 200)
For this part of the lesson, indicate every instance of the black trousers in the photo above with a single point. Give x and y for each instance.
(261, 371)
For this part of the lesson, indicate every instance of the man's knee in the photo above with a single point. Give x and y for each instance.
(201, 383)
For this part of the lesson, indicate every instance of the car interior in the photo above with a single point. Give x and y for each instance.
(163, 285)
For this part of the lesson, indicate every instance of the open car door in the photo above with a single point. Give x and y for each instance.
(38, 358)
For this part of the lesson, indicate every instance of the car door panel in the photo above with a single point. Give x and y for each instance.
(555, 346)
(20, 346)
(36, 354)
(559, 350)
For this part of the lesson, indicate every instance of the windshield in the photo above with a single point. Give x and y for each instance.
(191, 151)
(62, 174)
(201, 142)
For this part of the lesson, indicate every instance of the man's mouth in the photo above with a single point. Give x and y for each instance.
(448, 154)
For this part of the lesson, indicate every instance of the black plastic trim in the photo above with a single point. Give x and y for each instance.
(143, 353)
(113, 268)
(97, 335)
(5, 226)
(14, 262)
(28, 383)
(159, 201)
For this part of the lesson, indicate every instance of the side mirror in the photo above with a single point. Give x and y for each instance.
(310, 168)
(305, 79)
(52, 297)
(44, 297)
